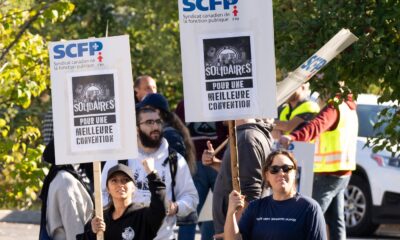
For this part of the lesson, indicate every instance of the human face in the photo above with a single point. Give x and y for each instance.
(281, 182)
(147, 85)
(120, 186)
(150, 129)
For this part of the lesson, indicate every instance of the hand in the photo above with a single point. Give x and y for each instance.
(98, 225)
(219, 236)
(208, 155)
(172, 208)
(285, 140)
(148, 165)
(236, 202)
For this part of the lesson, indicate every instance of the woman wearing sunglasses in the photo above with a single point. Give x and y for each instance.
(284, 215)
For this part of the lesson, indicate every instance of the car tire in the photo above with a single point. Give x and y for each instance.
(358, 207)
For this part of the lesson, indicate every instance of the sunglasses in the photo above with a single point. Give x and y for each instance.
(276, 169)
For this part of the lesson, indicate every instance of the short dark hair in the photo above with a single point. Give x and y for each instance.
(143, 110)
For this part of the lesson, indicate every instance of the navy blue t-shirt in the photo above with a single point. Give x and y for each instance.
(296, 218)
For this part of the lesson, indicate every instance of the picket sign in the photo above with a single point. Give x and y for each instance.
(311, 66)
(93, 104)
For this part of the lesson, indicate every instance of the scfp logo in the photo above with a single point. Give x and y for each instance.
(207, 5)
(313, 64)
(74, 50)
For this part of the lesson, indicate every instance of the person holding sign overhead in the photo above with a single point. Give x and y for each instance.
(283, 215)
(121, 217)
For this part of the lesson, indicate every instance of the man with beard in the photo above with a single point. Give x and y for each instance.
(151, 144)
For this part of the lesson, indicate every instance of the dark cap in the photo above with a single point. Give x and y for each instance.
(120, 168)
(154, 100)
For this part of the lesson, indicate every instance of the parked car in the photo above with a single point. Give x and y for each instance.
(373, 194)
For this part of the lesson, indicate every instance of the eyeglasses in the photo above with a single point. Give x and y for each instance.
(151, 122)
(276, 169)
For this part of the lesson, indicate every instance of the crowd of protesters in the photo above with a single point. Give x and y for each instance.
(167, 184)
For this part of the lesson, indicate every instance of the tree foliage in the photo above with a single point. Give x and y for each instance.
(302, 27)
(153, 30)
(24, 75)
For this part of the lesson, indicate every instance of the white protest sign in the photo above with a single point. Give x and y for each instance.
(304, 154)
(206, 211)
(311, 66)
(228, 59)
(92, 98)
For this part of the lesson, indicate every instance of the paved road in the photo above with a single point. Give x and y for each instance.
(18, 231)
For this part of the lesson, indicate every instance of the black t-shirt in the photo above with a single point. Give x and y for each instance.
(137, 224)
(296, 218)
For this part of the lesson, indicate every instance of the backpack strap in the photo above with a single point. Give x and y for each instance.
(172, 159)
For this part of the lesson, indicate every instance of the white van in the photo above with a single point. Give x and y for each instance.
(373, 195)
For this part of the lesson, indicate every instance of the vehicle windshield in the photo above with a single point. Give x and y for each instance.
(367, 117)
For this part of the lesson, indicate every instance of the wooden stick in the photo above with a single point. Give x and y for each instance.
(220, 147)
(97, 194)
(233, 152)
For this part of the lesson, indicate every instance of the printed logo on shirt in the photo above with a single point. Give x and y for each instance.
(142, 194)
(128, 234)
(276, 219)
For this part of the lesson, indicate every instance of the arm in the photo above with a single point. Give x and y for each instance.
(288, 126)
(157, 190)
(156, 211)
(231, 228)
(324, 121)
(185, 191)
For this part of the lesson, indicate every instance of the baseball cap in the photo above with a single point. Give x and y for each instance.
(120, 168)
(154, 100)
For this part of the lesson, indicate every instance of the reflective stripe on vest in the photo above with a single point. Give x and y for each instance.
(336, 149)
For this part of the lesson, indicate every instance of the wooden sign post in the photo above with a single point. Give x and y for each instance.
(234, 154)
(98, 199)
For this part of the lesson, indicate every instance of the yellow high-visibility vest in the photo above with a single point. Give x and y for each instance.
(336, 149)
(305, 107)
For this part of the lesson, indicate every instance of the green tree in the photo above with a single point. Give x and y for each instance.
(153, 30)
(24, 75)
(302, 27)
